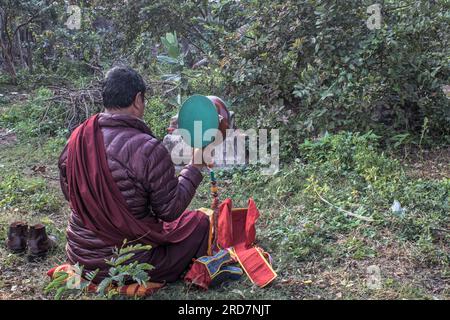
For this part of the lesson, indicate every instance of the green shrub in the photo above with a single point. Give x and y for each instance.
(328, 71)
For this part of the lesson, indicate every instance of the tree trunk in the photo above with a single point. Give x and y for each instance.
(9, 62)
(6, 47)
(20, 50)
(29, 39)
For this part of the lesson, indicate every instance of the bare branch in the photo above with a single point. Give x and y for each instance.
(31, 19)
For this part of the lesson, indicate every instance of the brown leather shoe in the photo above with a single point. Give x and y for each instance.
(39, 243)
(17, 236)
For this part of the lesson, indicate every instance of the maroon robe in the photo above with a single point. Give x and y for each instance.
(99, 167)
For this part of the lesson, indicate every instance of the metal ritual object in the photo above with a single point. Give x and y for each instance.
(197, 115)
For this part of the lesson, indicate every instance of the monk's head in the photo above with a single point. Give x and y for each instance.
(123, 92)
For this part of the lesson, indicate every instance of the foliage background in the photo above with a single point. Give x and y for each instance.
(362, 113)
(304, 66)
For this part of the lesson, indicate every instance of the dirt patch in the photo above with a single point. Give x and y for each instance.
(429, 164)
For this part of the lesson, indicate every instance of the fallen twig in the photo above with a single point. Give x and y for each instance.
(348, 213)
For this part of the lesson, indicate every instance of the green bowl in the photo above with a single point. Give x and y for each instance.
(197, 115)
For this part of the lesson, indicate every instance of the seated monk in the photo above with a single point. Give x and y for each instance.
(120, 182)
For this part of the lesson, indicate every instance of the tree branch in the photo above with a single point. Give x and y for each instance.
(26, 23)
(33, 17)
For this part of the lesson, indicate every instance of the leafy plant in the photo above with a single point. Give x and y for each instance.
(64, 283)
(179, 74)
(120, 272)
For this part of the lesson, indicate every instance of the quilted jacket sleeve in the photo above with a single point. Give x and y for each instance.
(169, 195)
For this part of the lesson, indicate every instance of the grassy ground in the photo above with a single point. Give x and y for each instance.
(319, 251)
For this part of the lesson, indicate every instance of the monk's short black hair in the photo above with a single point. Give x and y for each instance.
(120, 87)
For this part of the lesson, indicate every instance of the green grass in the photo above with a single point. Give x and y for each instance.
(319, 251)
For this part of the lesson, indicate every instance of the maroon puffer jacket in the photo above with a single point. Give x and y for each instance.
(143, 170)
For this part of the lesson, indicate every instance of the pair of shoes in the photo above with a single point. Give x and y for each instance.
(20, 236)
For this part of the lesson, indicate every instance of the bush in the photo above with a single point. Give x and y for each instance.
(313, 66)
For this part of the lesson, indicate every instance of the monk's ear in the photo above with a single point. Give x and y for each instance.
(138, 98)
(139, 104)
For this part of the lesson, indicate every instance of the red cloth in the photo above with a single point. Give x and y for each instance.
(236, 230)
(256, 266)
(236, 227)
(94, 195)
(198, 275)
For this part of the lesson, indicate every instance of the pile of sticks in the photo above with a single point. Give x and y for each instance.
(79, 104)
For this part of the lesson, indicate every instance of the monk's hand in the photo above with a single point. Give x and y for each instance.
(197, 158)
